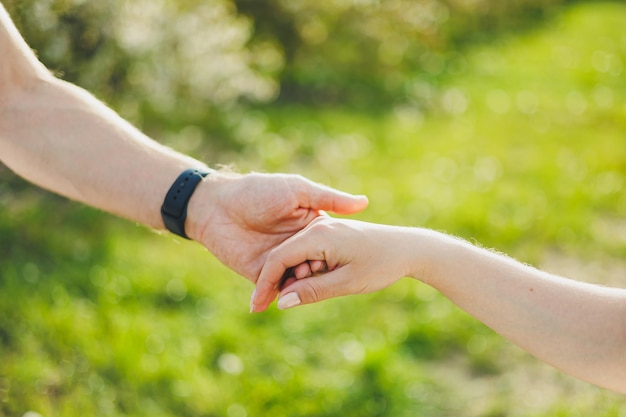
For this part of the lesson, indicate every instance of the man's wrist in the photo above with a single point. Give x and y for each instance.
(175, 204)
(204, 204)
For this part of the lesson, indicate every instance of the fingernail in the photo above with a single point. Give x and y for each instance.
(252, 305)
(288, 301)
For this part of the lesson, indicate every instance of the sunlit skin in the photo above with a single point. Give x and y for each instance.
(577, 327)
(61, 138)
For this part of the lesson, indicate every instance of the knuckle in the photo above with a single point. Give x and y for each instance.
(276, 255)
(315, 292)
(321, 226)
(272, 256)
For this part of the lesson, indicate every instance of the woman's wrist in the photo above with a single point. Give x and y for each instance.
(431, 250)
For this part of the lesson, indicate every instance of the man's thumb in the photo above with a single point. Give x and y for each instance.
(325, 198)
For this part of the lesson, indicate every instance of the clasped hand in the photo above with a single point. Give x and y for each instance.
(344, 257)
(242, 218)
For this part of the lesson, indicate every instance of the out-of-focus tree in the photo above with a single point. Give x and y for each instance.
(173, 64)
(162, 64)
(368, 52)
(159, 54)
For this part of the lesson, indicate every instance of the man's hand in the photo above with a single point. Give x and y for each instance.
(241, 218)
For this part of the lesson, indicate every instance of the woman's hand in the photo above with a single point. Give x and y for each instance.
(334, 257)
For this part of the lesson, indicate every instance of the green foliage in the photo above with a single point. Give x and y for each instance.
(520, 150)
(362, 52)
(146, 57)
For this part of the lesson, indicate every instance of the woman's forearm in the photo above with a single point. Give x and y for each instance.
(577, 327)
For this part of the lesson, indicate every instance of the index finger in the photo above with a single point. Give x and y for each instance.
(298, 249)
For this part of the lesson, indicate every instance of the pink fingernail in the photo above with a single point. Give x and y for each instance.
(289, 300)
(252, 305)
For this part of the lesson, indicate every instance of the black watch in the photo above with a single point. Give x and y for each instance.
(174, 208)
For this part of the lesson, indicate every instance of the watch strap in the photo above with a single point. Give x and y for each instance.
(174, 208)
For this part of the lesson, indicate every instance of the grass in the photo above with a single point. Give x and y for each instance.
(523, 152)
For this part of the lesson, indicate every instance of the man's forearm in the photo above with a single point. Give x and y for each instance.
(61, 138)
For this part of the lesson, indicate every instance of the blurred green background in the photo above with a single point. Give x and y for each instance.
(500, 122)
